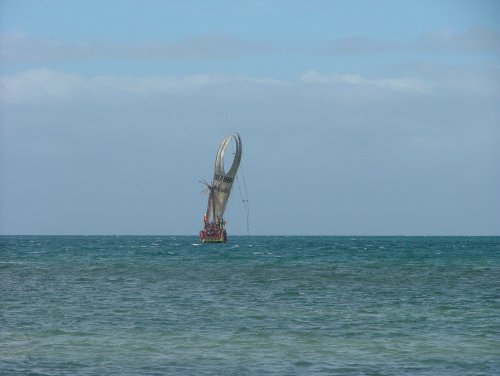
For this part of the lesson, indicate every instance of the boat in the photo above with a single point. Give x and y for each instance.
(214, 225)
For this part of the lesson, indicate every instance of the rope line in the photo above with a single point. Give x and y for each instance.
(244, 193)
(244, 198)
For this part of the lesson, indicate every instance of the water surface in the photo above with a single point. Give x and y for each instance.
(158, 305)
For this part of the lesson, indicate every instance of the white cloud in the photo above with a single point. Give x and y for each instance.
(39, 85)
(45, 85)
(406, 84)
(49, 86)
(25, 48)
(357, 45)
(473, 40)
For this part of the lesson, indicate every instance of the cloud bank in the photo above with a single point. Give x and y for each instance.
(45, 86)
(25, 48)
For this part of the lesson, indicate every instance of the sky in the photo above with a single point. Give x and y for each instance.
(357, 117)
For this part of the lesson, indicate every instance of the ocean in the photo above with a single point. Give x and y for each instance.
(270, 305)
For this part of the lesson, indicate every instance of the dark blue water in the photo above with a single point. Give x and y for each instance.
(254, 306)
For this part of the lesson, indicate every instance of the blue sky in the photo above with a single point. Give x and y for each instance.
(260, 37)
(357, 118)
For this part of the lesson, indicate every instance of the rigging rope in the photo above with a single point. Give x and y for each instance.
(244, 199)
(243, 194)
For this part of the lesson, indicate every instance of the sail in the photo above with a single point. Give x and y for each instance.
(223, 180)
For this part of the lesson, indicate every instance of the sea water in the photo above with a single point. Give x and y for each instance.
(167, 305)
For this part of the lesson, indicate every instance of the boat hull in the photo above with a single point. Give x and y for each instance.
(213, 240)
(214, 237)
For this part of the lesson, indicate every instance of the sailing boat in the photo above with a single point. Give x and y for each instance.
(214, 224)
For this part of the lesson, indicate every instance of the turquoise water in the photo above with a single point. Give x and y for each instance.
(144, 305)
